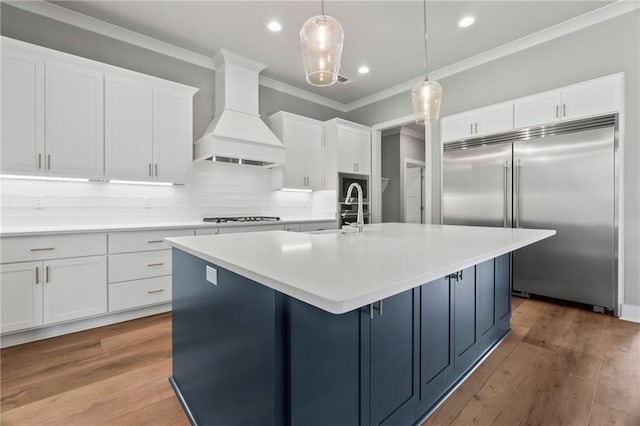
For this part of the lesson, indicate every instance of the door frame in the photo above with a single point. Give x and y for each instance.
(376, 167)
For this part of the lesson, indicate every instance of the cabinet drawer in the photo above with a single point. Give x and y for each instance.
(25, 249)
(135, 266)
(126, 242)
(133, 294)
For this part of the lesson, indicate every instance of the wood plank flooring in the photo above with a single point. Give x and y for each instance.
(560, 365)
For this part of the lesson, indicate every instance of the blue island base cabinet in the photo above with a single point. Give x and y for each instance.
(244, 354)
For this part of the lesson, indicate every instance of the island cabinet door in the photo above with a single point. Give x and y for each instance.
(393, 364)
(503, 289)
(485, 301)
(464, 320)
(436, 345)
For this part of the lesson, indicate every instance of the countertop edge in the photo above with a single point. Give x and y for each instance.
(91, 229)
(346, 305)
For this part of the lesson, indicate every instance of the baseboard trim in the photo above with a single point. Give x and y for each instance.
(46, 332)
(630, 313)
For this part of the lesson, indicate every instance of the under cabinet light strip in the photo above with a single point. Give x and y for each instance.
(49, 178)
(141, 182)
(294, 190)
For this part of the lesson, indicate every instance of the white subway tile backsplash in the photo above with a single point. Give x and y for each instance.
(210, 190)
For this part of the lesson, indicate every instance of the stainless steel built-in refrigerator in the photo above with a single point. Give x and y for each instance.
(560, 177)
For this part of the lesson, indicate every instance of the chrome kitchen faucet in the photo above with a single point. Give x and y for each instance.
(359, 225)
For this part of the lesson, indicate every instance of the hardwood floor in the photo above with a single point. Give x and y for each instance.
(560, 365)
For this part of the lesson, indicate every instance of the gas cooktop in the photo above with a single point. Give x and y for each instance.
(241, 219)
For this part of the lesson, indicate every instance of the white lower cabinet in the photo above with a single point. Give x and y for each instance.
(131, 294)
(20, 296)
(47, 292)
(74, 288)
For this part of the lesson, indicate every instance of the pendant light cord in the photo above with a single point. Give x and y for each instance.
(426, 68)
(322, 3)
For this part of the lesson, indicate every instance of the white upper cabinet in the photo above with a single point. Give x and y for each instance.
(74, 120)
(594, 97)
(22, 111)
(303, 139)
(128, 128)
(478, 122)
(172, 135)
(63, 115)
(354, 149)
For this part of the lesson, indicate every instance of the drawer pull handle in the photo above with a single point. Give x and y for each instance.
(156, 264)
(43, 249)
(37, 275)
(155, 291)
(154, 241)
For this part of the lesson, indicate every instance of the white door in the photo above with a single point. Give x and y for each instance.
(456, 126)
(593, 97)
(413, 194)
(537, 109)
(22, 112)
(171, 136)
(20, 296)
(74, 288)
(494, 118)
(75, 120)
(128, 129)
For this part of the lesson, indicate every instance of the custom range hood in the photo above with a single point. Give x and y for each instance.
(237, 134)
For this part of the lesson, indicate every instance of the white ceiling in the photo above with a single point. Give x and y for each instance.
(385, 35)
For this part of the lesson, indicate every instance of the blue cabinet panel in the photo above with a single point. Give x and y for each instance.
(464, 319)
(324, 360)
(503, 286)
(394, 355)
(436, 359)
(226, 346)
(485, 298)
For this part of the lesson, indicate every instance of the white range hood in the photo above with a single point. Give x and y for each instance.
(237, 134)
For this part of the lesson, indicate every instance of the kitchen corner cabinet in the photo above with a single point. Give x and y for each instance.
(303, 139)
(593, 97)
(148, 131)
(478, 122)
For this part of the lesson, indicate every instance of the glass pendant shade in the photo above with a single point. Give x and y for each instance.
(322, 38)
(426, 98)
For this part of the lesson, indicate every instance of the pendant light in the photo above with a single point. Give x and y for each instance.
(426, 96)
(322, 38)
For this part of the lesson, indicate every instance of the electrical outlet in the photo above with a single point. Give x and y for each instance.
(147, 202)
(38, 203)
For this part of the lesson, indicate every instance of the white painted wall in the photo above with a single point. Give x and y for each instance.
(211, 190)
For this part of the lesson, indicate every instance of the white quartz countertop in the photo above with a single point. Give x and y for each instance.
(70, 229)
(341, 272)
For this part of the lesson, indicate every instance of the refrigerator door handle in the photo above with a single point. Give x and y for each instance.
(507, 166)
(516, 203)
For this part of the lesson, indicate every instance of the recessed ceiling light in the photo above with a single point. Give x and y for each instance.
(274, 26)
(364, 69)
(467, 21)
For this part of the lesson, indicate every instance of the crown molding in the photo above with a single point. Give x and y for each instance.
(106, 29)
(301, 93)
(574, 24)
(88, 23)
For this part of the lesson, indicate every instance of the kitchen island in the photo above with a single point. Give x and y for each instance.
(279, 328)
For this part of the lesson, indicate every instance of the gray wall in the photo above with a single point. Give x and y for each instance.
(606, 48)
(36, 29)
(396, 148)
(390, 167)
